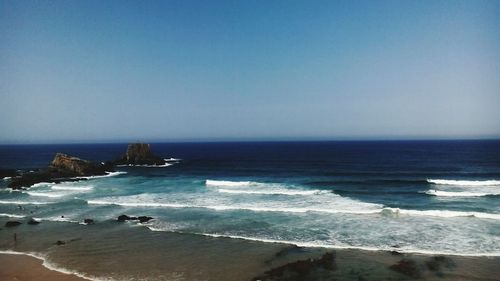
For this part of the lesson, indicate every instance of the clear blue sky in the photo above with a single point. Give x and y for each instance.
(83, 71)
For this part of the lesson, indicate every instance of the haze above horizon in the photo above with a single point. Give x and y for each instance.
(93, 71)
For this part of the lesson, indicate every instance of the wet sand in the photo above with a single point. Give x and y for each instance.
(127, 251)
(16, 267)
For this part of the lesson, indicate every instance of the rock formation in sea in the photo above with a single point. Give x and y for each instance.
(140, 154)
(62, 168)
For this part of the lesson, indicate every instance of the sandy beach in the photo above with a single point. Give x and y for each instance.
(18, 267)
(115, 251)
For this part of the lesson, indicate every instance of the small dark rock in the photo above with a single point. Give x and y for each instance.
(123, 218)
(12, 223)
(143, 219)
(33, 222)
(88, 221)
(395, 253)
(60, 242)
(406, 267)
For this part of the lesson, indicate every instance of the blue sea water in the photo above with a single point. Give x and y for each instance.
(414, 196)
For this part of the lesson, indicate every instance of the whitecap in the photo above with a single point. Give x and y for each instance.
(108, 174)
(45, 194)
(464, 182)
(459, 193)
(273, 192)
(440, 213)
(228, 183)
(11, 215)
(72, 188)
(24, 202)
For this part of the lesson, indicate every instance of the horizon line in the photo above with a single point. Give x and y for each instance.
(257, 140)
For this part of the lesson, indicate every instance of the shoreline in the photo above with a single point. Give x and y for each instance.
(97, 252)
(19, 266)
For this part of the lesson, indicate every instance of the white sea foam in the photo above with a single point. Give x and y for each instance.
(45, 194)
(57, 219)
(274, 192)
(172, 159)
(440, 213)
(361, 209)
(108, 174)
(40, 184)
(24, 202)
(330, 246)
(11, 215)
(53, 267)
(459, 193)
(228, 183)
(72, 188)
(6, 178)
(168, 163)
(464, 182)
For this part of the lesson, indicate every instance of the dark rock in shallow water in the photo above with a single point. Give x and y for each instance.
(123, 218)
(12, 223)
(302, 270)
(7, 173)
(33, 222)
(88, 221)
(140, 154)
(62, 168)
(60, 242)
(406, 267)
(143, 219)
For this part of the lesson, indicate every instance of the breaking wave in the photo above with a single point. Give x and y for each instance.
(459, 193)
(274, 192)
(108, 174)
(362, 209)
(72, 188)
(229, 183)
(464, 182)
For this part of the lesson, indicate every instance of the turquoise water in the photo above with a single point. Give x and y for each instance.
(426, 197)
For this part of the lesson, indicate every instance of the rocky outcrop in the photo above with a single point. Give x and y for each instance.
(141, 219)
(139, 154)
(12, 223)
(66, 164)
(62, 168)
(7, 173)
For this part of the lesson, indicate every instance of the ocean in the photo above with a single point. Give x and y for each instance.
(411, 196)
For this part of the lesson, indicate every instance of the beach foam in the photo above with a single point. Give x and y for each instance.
(52, 266)
(330, 246)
